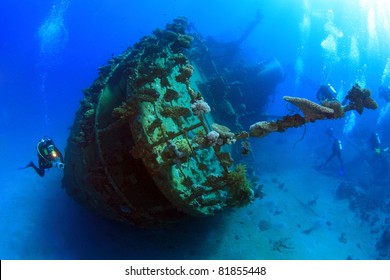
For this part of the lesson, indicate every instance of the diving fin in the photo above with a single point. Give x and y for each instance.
(30, 164)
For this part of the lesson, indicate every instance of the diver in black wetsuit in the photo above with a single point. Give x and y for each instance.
(378, 157)
(375, 143)
(326, 93)
(48, 156)
(336, 150)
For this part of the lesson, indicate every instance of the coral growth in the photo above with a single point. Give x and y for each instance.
(338, 111)
(212, 138)
(200, 137)
(200, 107)
(179, 59)
(359, 99)
(175, 112)
(183, 146)
(179, 25)
(226, 159)
(225, 135)
(185, 74)
(165, 35)
(147, 95)
(295, 120)
(126, 110)
(223, 131)
(182, 41)
(155, 124)
(262, 128)
(170, 95)
(311, 110)
(178, 152)
(245, 147)
(237, 185)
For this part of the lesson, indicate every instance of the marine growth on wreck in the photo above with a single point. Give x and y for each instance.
(147, 149)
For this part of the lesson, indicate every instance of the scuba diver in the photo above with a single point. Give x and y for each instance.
(379, 160)
(326, 93)
(48, 156)
(337, 147)
(376, 144)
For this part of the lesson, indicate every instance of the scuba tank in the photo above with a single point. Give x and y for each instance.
(326, 92)
(378, 140)
(340, 146)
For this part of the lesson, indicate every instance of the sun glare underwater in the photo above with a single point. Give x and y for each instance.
(195, 129)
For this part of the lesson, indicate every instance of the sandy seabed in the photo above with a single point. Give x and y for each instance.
(299, 217)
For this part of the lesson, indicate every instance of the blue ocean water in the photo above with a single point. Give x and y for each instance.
(50, 51)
